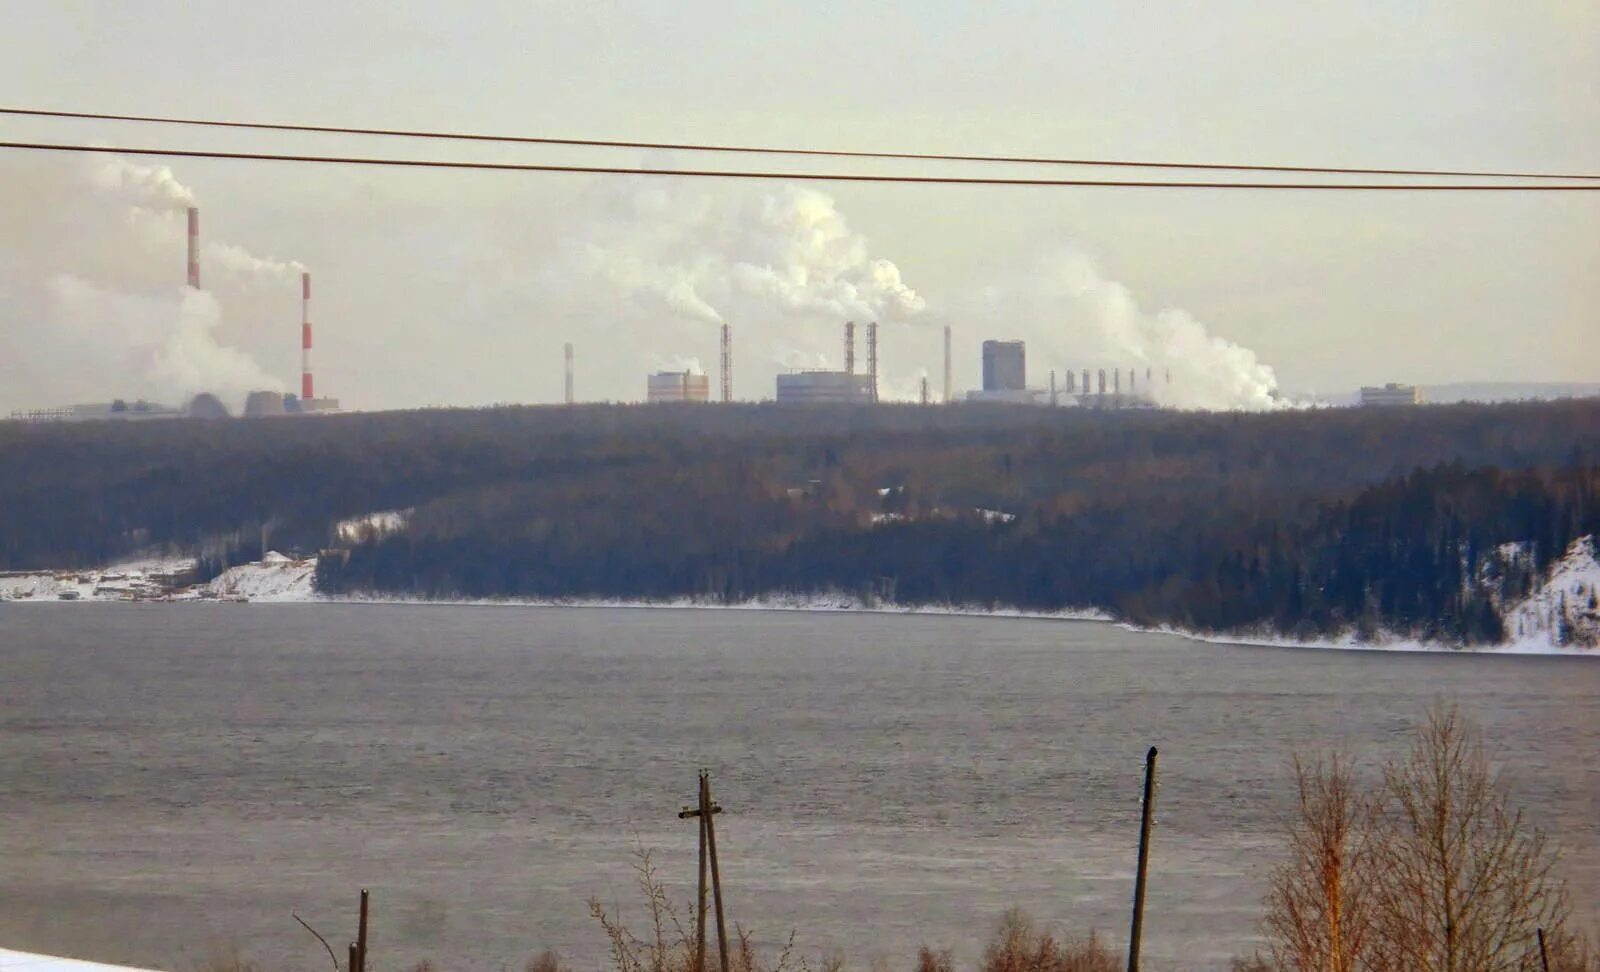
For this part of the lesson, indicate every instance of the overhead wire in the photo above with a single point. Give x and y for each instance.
(792, 176)
(773, 150)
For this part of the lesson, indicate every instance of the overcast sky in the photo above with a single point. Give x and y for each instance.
(459, 288)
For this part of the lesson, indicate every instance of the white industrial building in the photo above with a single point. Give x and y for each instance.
(812, 387)
(677, 386)
(1391, 394)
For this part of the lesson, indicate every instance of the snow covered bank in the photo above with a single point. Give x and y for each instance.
(1565, 609)
(29, 962)
(135, 580)
(1559, 616)
(274, 578)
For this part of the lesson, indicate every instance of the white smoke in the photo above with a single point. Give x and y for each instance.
(146, 187)
(162, 343)
(91, 304)
(1073, 317)
(235, 260)
(784, 267)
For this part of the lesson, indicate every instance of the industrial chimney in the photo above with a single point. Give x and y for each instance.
(568, 351)
(949, 392)
(727, 363)
(306, 391)
(194, 247)
(849, 347)
(872, 360)
(1102, 376)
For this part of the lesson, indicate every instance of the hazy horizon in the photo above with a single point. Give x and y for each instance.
(459, 288)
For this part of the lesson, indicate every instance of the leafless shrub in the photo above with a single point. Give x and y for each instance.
(1319, 906)
(930, 961)
(1437, 871)
(1019, 946)
(1462, 880)
(545, 961)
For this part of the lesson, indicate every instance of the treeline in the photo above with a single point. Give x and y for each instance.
(1302, 521)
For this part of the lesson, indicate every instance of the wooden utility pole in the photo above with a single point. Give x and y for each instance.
(704, 811)
(361, 935)
(1145, 825)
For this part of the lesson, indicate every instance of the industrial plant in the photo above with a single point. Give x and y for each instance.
(836, 387)
(677, 386)
(258, 404)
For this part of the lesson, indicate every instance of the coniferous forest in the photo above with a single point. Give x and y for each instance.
(1303, 523)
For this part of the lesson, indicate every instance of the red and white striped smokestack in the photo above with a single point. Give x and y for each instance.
(194, 248)
(306, 392)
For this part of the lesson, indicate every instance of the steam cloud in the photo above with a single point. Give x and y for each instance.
(787, 269)
(1074, 317)
(90, 292)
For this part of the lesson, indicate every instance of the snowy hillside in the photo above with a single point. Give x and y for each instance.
(1564, 612)
(274, 578)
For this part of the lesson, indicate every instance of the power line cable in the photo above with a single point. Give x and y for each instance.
(794, 176)
(770, 150)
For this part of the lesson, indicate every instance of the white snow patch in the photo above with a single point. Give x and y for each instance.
(143, 579)
(1564, 612)
(29, 962)
(372, 525)
(995, 516)
(275, 578)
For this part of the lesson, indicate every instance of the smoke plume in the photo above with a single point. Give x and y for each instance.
(1074, 317)
(91, 298)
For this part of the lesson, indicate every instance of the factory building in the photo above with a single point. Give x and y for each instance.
(1005, 366)
(1391, 394)
(677, 386)
(816, 387)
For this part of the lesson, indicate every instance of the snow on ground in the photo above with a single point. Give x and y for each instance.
(28, 962)
(371, 526)
(1563, 613)
(143, 579)
(275, 578)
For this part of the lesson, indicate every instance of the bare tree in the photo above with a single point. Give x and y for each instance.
(1319, 908)
(1461, 881)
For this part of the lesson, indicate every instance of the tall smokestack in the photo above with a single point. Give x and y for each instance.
(872, 362)
(924, 389)
(949, 392)
(568, 350)
(1102, 376)
(1116, 380)
(1054, 401)
(1072, 377)
(306, 391)
(1086, 381)
(849, 347)
(727, 363)
(1133, 380)
(194, 247)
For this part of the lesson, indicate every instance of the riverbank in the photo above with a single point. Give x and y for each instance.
(279, 579)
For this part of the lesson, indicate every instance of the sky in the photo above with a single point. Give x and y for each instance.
(459, 288)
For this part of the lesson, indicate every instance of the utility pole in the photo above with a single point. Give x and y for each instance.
(704, 811)
(1147, 821)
